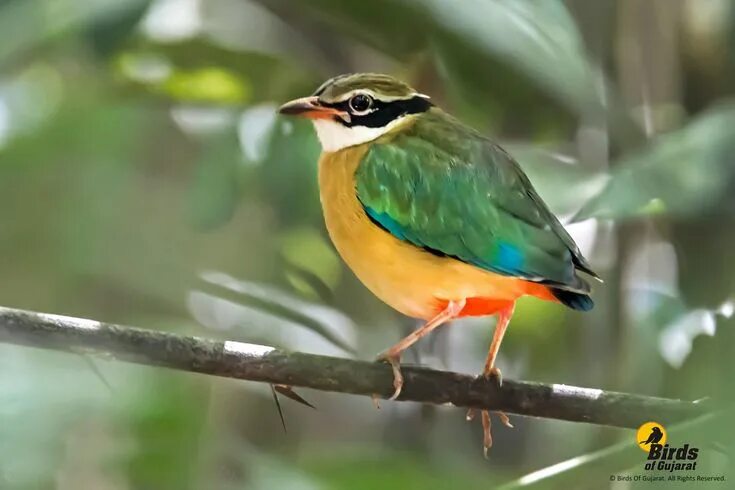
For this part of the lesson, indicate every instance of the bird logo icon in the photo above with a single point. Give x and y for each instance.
(655, 436)
(650, 433)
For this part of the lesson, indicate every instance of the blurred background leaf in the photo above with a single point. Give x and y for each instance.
(684, 172)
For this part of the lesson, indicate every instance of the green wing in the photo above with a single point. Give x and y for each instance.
(447, 189)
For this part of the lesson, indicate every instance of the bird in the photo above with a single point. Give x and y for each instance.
(434, 218)
(654, 437)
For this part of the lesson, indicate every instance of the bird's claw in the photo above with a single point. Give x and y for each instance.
(504, 419)
(470, 415)
(376, 400)
(494, 373)
(395, 364)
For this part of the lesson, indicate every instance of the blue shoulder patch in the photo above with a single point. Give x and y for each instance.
(508, 257)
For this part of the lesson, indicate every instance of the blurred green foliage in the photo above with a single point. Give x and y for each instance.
(146, 179)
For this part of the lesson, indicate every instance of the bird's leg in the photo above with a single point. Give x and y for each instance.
(501, 326)
(490, 370)
(393, 355)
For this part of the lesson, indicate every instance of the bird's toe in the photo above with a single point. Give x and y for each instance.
(504, 419)
(487, 437)
(395, 364)
(495, 374)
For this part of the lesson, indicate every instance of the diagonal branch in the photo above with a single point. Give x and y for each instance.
(266, 364)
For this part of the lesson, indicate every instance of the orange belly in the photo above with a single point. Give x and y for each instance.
(407, 278)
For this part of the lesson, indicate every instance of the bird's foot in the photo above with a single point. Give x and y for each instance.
(494, 373)
(395, 362)
(487, 438)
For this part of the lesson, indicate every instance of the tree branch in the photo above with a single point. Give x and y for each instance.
(266, 364)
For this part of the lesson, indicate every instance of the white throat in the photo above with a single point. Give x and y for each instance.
(334, 136)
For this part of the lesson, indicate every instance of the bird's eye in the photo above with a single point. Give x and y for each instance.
(361, 103)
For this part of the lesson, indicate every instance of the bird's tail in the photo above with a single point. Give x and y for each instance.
(576, 301)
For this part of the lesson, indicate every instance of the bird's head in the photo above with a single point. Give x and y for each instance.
(353, 109)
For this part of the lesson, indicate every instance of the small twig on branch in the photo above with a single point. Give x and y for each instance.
(266, 364)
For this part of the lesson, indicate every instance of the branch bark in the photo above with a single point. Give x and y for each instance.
(265, 364)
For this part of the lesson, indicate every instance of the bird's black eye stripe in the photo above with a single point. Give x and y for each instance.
(383, 112)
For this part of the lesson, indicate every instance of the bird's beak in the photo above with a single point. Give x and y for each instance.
(309, 107)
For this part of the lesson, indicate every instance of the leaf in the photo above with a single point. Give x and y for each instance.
(310, 263)
(199, 70)
(363, 21)
(538, 38)
(167, 425)
(255, 130)
(27, 24)
(214, 193)
(681, 173)
(236, 301)
(288, 173)
(561, 180)
(57, 415)
(207, 85)
(493, 54)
